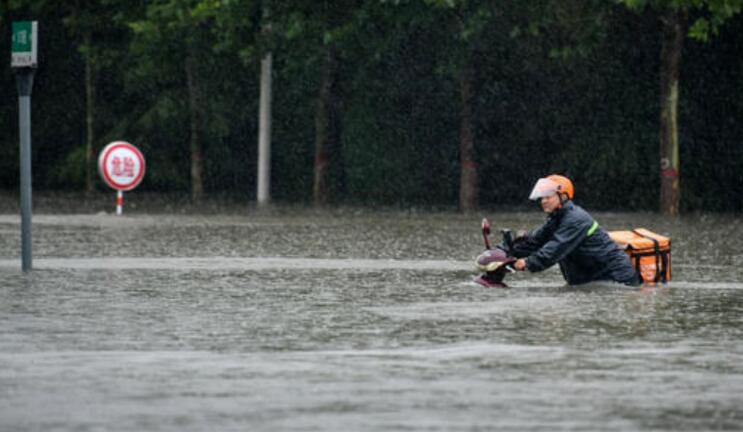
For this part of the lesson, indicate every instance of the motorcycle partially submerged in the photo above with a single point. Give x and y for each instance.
(495, 262)
(649, 253)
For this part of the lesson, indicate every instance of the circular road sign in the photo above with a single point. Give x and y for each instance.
(121, 165)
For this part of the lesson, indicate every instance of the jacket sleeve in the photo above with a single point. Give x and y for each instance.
(568, 235)
(533, 242)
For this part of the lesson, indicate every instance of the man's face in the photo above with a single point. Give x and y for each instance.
(550, 203)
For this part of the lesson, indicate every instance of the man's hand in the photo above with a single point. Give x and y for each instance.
(520, 264)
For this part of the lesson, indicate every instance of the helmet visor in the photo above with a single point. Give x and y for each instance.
(544, 188)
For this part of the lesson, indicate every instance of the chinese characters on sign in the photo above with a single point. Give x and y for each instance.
(123, 168)
(21, 38)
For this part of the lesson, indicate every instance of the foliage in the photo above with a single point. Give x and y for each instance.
(566, 87)
(709, 15)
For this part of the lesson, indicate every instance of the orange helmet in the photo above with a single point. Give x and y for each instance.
(552, 184)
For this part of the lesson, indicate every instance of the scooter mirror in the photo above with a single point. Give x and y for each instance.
(486, 226)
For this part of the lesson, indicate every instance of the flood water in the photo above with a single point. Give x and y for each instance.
(356, 320)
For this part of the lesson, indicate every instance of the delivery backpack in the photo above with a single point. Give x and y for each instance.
(649, 253)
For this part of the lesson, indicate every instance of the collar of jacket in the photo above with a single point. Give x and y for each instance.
(566, 206)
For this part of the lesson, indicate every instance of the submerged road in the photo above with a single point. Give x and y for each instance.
(232, 263)
(364, 321)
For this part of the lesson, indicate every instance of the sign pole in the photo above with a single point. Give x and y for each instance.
(119, 202)
(23, 60)
(25, 81)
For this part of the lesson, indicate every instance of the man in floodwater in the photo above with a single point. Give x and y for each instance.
(572, 239)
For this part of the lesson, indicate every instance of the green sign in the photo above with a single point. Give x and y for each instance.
(24, 44)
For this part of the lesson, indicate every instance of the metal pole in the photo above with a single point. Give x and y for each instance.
(25, 81)
(264, 133)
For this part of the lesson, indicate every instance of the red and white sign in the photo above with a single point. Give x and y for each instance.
(121, 165)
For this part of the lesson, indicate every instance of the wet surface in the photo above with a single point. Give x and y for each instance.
(354, 320)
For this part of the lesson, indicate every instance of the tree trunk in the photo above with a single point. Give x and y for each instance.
(263, 183)
(328, 157)
(90, 159)
(673, 28)
(468, 172)
(195, 107)
(264, 132)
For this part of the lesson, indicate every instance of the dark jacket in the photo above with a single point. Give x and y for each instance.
(584, 251)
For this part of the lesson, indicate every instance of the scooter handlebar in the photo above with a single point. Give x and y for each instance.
(507, 239)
